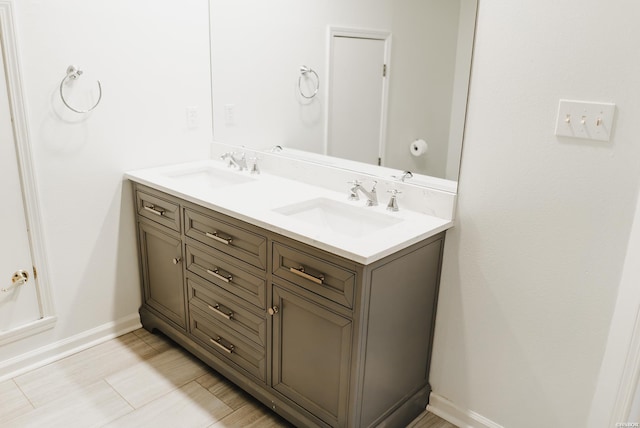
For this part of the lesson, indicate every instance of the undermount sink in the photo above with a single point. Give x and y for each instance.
(338, 217)
(210, 177)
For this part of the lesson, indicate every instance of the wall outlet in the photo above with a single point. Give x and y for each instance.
(192, 117)
(582, 119)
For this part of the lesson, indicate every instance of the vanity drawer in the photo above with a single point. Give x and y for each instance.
(226, 273)
(322, 276)
(236, 241)
(228, 344)
(157, 207)
(223, 307)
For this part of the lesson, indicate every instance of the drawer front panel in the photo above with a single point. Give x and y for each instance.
(317, 275)
(153, 206)
(228, 345)
(232, 277)
(233, 240)
(224, 308)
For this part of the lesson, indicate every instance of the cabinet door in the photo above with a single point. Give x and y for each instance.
(163, 286)
(311, 355)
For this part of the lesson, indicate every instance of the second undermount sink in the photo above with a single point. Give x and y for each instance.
(210, 177)
(327, 215)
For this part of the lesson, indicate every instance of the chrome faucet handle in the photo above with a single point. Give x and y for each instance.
(393, 201)
(353, 191)
(254, 166)
(372, 200)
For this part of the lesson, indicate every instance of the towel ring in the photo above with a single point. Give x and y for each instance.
(74, 74)
(303, 71)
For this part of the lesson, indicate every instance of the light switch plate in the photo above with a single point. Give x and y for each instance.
(583, 119)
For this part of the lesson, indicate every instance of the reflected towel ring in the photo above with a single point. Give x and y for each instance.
(303, 71)
(74, 74)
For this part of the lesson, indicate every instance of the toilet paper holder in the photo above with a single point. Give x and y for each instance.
(418, 147)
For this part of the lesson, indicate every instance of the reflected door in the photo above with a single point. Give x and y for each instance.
(356, 120)
(18, 297)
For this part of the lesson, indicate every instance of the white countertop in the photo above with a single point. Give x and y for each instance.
(254, 202)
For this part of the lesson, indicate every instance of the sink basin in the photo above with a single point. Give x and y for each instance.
(338, 217)
(210, 177)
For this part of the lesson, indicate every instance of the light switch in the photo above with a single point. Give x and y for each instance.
(583, 119)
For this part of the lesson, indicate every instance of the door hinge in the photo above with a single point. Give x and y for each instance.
(35, 273)
(384, 70)
(379, 161)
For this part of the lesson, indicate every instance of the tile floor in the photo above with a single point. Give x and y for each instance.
(136, 380)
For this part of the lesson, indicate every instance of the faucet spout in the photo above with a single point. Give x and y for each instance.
(371, 195)
(233, 159)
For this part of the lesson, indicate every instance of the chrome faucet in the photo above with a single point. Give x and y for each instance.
(372, 195)
(233, 159)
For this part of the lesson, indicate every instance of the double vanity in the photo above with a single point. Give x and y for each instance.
(321, 307)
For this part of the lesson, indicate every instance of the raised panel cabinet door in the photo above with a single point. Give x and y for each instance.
(162, 273)
(311, 355)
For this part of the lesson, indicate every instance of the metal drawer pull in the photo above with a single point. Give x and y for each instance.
(217, 275)
(217, 342)
(215, 236)
(300, 272)
(216, 308)
(153, 209)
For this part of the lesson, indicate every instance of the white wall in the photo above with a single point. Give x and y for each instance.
(152, 59)
(532, 269)
(613, 400)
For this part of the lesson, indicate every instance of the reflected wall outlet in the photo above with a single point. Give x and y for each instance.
(582, 119)
(229, 114)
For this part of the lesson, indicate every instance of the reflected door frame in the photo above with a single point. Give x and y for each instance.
(25, 165)
(383, 36)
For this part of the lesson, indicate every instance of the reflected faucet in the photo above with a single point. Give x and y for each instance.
(233, 159)
(405, 176)
(372, 195)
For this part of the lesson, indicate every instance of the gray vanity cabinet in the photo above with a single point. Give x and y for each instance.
(320, 339)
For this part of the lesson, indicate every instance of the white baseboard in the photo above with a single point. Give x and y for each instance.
(26, 330)
(55, 351)
(462, 418)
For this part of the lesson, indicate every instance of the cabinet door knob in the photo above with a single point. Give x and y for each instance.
(176, 260)
(273, 311)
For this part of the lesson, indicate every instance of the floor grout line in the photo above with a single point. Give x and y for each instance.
(119, 395)
(22, 392)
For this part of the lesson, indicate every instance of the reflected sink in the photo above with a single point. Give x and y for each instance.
(210, 177)
(338, 217)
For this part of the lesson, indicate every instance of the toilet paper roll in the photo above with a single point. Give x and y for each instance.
(418, 147)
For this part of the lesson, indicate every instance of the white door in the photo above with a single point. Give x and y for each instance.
(356, 98)
(18, 303)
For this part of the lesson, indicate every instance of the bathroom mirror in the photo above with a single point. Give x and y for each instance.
(298, 74)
